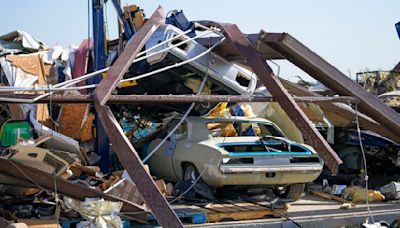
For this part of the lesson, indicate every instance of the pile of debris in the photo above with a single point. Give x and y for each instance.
(56, 162)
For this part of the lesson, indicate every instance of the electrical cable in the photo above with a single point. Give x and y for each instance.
(57, 199)
(365, 165)
(174, 65)
(179, 123)
(84, 77)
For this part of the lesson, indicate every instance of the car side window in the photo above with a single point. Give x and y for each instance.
(270, 130)
(181, 132)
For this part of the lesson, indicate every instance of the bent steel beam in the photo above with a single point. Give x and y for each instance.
(125, 60)
(318, 68)
(122, 146)
(65, 187)
(339, 113)
(286, 101)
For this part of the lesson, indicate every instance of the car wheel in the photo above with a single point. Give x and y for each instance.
(190, 172)
(293, 191)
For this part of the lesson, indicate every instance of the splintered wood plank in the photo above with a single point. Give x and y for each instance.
(42, 112)
(250, 206)
(237, 211)
(219, 208)
(240, 215)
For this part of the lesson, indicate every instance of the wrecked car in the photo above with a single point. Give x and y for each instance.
(223, 77)
(234, 151)
(392, 99)
(237, 79)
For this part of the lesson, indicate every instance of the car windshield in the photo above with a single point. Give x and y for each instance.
(234, 129)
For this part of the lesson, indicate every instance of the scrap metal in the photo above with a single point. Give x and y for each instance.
(65, 187)
(121, 144)
(286, 101)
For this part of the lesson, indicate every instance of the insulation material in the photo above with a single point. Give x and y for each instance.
(393, 102)
(247, 110)
(333, 114)
(194, 85)
(222, 129)
(72, 119)
(359, 194)
(276, 114)
(313, 112)
(101, 213)
(378, 82)
(220, 110)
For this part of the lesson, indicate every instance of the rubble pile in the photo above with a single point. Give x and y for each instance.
(60, 109)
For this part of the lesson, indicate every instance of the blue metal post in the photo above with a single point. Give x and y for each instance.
(127, 27)
(99, 62)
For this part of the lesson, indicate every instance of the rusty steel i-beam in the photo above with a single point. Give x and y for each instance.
(171, 99)
(331, 77)
(127, 155)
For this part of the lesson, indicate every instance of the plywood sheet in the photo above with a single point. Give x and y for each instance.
(71, 120)
(28, 63)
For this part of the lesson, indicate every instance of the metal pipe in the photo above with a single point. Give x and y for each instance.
(171, 99)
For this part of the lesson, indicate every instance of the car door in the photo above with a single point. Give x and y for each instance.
(161, 162)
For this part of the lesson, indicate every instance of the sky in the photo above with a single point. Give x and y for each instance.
(354, 36)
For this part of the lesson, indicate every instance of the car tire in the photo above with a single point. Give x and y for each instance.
(190, 172)
(293, 191)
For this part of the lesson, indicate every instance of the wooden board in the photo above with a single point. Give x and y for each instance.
(235, 211)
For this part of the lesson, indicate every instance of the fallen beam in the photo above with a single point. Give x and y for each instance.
(171, 99)
(321, 70)
(65, 187)
(285, 100)
(127, 155)
(341, 115)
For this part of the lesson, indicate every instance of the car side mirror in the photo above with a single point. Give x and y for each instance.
(398, 28)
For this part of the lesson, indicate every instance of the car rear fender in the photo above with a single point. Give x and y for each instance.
(201, 155)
